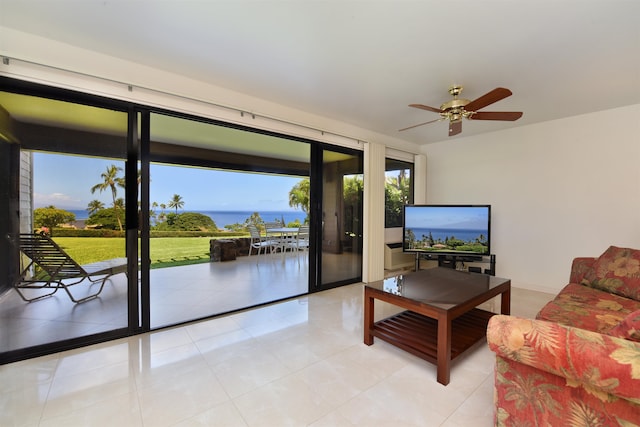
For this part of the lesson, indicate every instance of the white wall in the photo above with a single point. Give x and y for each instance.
(558, 190)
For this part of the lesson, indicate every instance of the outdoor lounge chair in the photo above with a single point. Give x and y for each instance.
(51, 268)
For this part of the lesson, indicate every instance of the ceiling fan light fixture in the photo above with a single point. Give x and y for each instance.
(455, 117)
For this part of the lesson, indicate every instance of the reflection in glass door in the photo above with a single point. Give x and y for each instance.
(341, 218)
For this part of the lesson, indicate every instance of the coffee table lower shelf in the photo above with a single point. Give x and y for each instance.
(418, 334)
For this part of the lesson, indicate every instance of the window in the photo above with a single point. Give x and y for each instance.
(398, 190)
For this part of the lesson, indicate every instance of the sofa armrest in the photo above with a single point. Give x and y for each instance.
(600, 363)
(581, 268)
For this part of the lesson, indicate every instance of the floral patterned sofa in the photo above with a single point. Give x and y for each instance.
(578, 362)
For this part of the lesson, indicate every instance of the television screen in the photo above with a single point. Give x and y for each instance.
(457, 229)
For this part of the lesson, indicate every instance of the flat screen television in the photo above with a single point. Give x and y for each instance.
(447, 229)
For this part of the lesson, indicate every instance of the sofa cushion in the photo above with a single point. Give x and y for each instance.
(617, 271)
(629, 328)
(581, 268)
(547, 374)
(587, 308)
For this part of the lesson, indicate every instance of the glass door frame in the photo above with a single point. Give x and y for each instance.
(30, 89)
(316, 217)
(138, 160)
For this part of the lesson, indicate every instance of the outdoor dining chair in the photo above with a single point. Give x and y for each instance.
(300, 242)
(259, 242)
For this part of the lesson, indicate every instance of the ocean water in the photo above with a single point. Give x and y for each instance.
(465, 235)
(222, 218)
(79, 213)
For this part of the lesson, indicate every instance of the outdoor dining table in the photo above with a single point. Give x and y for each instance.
(284, 235)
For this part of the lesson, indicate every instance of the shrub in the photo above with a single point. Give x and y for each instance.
(95, 232)
(51, 216)
(104, 218)
(187, 221)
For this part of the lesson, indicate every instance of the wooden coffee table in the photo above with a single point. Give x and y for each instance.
(442, 319)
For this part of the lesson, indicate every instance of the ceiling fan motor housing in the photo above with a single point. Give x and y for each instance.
(454, 110)
(457, 103)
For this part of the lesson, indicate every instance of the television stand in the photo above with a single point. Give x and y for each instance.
(457, 261)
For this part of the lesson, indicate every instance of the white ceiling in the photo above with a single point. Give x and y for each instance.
(363, 62)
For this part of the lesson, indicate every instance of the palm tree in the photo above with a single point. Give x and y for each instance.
(119, 203)
(111, 180)
(299, 195)
(176, 202)
(254, 220)
(94, 206)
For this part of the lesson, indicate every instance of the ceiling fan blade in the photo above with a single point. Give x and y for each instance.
(488, 98)
(426, 107)
(496, 115)
(455, 128)
(421, 124)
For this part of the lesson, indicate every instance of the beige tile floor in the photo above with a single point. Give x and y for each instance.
(296, 363)
(178, 294)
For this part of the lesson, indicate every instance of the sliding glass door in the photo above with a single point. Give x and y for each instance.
(340, 225)
(207, 184)
(173, 197)
(67, 182)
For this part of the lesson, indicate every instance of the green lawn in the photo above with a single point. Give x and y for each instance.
(164, 250)
(90, 249)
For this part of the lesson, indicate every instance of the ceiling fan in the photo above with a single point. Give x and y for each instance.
(458, 108)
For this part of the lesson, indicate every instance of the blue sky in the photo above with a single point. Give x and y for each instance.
(65, 182)
(449, 217)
